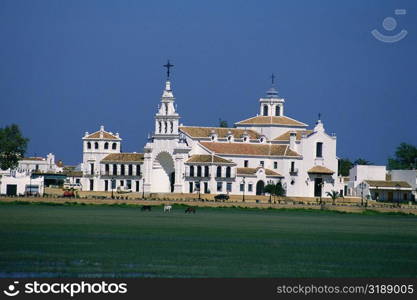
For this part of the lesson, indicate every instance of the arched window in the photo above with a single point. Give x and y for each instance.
(277, 110)
(219, 171)
(265, 110)
(160, 127)
(166, 108)
(106, 145)
(96, 145)
(206, 171)
(199, 171)
(191, 171)
(114, 169)
(122, 170)
(114, 146)
(88, 145)
(228, 172)
(166, 127)
(172, 127)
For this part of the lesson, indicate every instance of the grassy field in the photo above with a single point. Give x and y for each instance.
(122, 241)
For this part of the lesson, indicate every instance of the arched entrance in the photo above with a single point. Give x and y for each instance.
(163, 173)
(260, 187)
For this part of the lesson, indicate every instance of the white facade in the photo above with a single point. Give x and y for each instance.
(20, 183)
(409, 176)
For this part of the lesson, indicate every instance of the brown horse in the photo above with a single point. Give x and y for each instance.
(146, 207)
(190, 210)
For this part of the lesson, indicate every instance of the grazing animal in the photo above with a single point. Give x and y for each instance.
(146, 207)
(190, 210)
(167, 208)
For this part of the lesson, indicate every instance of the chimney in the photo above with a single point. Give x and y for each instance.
(293, 137)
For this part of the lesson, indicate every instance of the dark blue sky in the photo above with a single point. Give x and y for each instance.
(67, 67)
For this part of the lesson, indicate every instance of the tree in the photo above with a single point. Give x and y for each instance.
(405, 157)
(279, 189)
(344, 166)
(270, 189)
(361, 161)
(12, 146)
(334, 195)
(223, 123)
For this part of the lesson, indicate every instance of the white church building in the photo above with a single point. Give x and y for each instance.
(269, 147)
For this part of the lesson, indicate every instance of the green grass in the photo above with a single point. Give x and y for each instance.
(102, 240)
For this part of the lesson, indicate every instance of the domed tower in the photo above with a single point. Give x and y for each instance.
(272, 104)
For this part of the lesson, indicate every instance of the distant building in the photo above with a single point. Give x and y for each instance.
(40, 164)
(373, 182)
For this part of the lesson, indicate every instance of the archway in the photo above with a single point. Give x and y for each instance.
(260, 187)
(163, 173)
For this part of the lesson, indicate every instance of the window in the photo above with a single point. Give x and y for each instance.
(96, 145)
(192, 171)
(106, 169)
(275, 165)
(114, 169)
(262, 163)
(172, 127)
(106, 145)
(138, 170)
(219, 186)
(246, 163)
(122, 182)
(129, 184)
(199, 171)
(228, 172)
(277, 110)
(37, 167)
(91, 184)
(191, 188)
(160, 126)
(219, 171)
(122, 169)
(229, 187)
(130, 170)
(405, 196)
(166, 108)
(292, 167)
(91, 169)
(114, 146)
(242, 187)
(250, 187)
(265, 113)
(88, 145)
(206, 171)
(137, 186)
(77, 180)
(319, 149)
(106, 185)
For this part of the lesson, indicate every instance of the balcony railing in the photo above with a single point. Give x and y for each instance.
(294, 171)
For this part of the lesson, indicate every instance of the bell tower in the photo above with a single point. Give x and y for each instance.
(166, 119)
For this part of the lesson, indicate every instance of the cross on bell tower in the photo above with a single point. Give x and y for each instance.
(168, 66)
